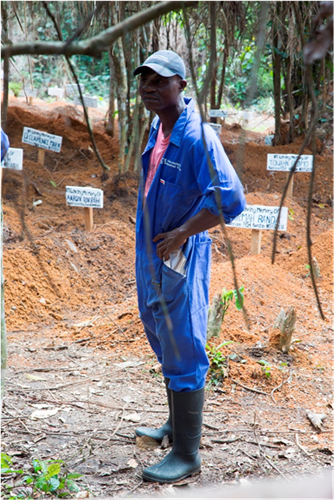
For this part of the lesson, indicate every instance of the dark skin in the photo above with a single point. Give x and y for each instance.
(163, 95)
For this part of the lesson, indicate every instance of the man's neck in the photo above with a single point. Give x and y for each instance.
(169, 117)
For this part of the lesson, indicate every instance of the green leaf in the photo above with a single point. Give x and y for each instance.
(53, 184)
(53, 483)
(36, 465)
(74, 476)
(239, 301)
(72, 486)
(53, 470)
(6, 460)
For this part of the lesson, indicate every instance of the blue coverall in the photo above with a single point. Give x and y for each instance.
(4, 144)
(182, 186)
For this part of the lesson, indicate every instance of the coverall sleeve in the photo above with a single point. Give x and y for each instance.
(218, 181)
(4, 144)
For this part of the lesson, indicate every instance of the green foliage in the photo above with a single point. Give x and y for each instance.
(266, 368)
(217, 360)
(227, 298)
(43, 477)
(15, 87)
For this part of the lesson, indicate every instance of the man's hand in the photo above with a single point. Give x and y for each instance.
(171, 241)
(174, 239)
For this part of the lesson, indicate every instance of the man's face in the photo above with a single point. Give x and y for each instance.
(159, 92)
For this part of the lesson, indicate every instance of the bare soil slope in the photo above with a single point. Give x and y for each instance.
(70, 299)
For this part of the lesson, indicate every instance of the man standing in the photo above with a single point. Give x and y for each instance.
(177, 204)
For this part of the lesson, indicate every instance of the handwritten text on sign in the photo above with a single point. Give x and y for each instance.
(217, 112)
(71, 89)
(42, 139)
(284, 163)
(216, 126)
(90, 102)
(13, 159)
(261, 217)
(84, 197)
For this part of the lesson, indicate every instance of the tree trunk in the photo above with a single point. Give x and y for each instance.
(4, 109)
(213, 83)
(155, 35)
(277, 78)
(110, 128)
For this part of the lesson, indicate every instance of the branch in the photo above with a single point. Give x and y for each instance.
(96, 45)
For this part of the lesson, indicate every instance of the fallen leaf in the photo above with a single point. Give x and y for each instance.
(132, 463)
(133, 417)
(44, 413)
(165, 442)
(88, 322)
(30, 376)
(129, 364)
(146, 443)
(82, 494)
(72, 246)
(315, 419)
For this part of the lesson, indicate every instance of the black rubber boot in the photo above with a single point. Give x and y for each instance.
(184, 459)
(167, 428)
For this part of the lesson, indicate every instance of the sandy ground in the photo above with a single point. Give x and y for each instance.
(76, 345)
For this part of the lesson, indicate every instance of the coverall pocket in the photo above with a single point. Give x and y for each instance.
(174, 289)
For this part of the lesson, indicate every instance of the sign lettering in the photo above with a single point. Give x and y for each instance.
(42, 139)
(215, 113)
(216, 126)
(84, 197)
(90, 102)
(284, 163)
(13, 159)
(261, 217)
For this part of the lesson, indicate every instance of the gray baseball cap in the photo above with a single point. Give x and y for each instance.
(165, 63)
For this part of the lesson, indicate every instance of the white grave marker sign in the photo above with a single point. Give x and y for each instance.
(31, 92)
(71, 89)
(84, 197)
(90, 102)
(56, 91)
(261, 217)
(42, 140)
(13, 159)
(215, 113)
(216, 126)
(284, 163)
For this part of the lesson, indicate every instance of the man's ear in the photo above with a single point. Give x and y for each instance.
(182, 85)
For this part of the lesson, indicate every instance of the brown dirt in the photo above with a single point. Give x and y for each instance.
(57, 277)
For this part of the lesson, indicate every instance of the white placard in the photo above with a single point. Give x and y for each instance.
(216, 126)
(56, 91)
(13, 159)
(84, 197)
(31, 92)
(284, 163)
(261, 217)
(90, 102)
(72, 89)
(215, 113)
(42, 140)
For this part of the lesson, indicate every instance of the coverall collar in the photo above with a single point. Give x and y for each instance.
(177, 133)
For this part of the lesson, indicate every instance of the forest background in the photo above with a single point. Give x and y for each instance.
(245, 55)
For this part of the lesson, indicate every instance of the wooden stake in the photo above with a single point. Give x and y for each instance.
(290, 187)
(30, 100)
(88, 218)
(256, 242)
(41, 156)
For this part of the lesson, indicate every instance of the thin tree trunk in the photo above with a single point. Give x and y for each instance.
(277, 78)
(135, 121)
(213, 83)
(4, 108)
(110, 128)
(290, 102)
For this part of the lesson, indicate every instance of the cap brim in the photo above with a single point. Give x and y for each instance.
(157, 68)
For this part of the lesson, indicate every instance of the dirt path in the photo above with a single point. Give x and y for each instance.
(77, 347)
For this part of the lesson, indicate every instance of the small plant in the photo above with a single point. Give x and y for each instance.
(15, 88)
(217, 368)
(266, 368)
(219, 307)
(227, 298)
(291, 214)
(43, 477)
